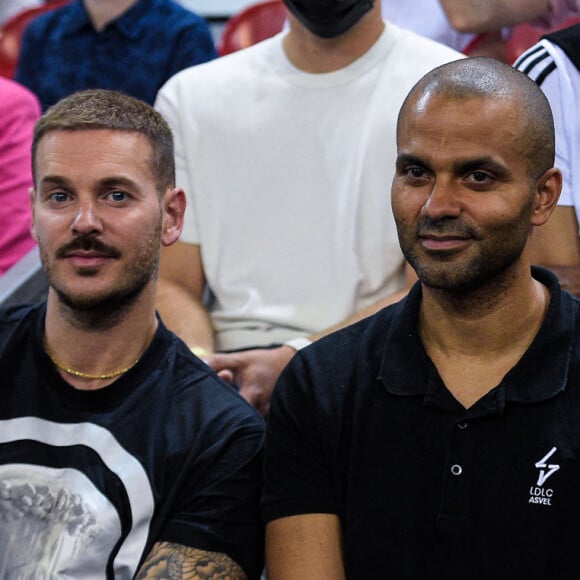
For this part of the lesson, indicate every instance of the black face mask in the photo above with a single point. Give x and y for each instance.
(328, 18)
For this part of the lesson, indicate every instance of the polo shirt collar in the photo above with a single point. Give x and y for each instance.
(131, 23)
(75, 18)
(540, 374)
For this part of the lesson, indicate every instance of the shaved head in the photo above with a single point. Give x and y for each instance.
(486, 78)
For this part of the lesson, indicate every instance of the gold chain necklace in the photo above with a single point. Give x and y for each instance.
(87, 376)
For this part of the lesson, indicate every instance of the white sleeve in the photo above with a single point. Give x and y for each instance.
(545, 64)
(169, 103)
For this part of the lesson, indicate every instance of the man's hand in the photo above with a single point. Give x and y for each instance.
(254, 372)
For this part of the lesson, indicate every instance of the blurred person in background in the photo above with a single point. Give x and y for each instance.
(19, 110)
(480, 16)
(428, 18)
(554, 64)
(132, 46)
(475, 28)
(286, 150)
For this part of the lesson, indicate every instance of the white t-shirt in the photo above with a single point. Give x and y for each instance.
(427, 18)
(288, 178)
(549, 66)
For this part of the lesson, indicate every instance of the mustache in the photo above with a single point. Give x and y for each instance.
(87, 244)
(451, 227)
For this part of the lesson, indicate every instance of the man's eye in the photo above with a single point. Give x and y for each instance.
(415, 172)
(59, 197)
(480, 176)
(118, 195)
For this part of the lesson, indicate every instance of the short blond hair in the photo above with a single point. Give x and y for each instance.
(105, 109)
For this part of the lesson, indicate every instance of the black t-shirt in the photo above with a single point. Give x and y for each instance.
(90, 480)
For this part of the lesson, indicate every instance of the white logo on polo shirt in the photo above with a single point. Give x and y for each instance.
(545, 469)
(538, 493)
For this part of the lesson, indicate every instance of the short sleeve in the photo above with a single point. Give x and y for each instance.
(300, 451)
(216, 498)
(544, 64)
(555, 89)
(170, 104)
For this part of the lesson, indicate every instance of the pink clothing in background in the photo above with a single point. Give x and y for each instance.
(19, 110)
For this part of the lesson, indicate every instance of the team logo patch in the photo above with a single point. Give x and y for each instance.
(539, 493)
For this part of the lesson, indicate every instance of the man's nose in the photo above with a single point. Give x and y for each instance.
(442, 202)
(87, 219)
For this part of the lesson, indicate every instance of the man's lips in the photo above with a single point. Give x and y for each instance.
(84, 259)
(444, 243)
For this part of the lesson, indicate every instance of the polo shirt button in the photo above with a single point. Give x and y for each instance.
(456, 469)
(462, 425)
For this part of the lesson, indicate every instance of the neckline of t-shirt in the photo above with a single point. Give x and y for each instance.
(111, 395)
(377, 52)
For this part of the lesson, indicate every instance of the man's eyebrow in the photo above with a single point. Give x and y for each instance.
(485, 163)
(118, 180)
(54, 180)
(408, 159)
(112, 181)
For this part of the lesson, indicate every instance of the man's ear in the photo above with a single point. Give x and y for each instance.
(32, 198)
(548, 188)
(173, 214)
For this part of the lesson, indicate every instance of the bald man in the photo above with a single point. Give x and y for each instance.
(437, 439)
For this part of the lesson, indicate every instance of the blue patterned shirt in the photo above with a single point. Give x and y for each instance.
(62, 52)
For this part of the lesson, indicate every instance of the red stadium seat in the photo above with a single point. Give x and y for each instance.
(11, 35)
(253, 24)
(525, 35)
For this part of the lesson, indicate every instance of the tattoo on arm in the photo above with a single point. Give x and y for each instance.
(168, 561)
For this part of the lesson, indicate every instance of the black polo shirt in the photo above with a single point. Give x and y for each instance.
(362, 426)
